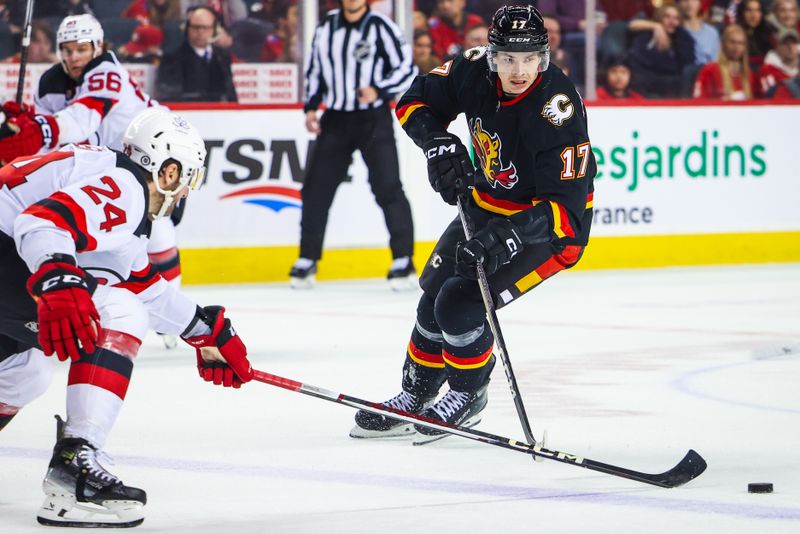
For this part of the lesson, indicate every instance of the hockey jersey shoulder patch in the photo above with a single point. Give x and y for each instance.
(558, 109)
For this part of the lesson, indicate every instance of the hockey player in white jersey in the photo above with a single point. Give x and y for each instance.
(88, 97)
(75, 281)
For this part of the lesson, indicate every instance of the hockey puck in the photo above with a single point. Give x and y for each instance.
(759, 487)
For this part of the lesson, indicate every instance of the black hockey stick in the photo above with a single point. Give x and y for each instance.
(690, 467)
(23, 56)
(494, 325)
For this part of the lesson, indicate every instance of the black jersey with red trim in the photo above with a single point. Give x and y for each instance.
(531, 151)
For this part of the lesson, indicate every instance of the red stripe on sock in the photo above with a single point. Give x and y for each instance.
(94, 375)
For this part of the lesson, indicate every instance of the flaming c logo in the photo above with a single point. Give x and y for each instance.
(488, 148)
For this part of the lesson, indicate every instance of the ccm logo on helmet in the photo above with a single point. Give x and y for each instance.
(519, 39)
(440, 150)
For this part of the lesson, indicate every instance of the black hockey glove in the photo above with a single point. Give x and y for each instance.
(450, 170)
(493, 246)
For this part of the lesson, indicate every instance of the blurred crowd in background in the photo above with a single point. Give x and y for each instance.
(718, 49)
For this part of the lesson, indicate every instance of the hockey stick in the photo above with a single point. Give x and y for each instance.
(23, 56)
(494, 325)
(690, 467)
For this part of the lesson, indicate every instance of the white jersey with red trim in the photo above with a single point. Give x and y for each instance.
(97, 107)
(91, 203)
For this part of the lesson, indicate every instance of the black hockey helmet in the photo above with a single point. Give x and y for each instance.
(519, 29)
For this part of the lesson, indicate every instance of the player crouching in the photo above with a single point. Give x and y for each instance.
(78, 219)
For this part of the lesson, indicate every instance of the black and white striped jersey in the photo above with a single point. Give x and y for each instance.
(347, 56)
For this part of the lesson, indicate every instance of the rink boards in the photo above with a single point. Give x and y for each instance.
(676, 185)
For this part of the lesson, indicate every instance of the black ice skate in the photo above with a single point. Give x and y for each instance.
(81, 493)
(402, 274)
(370, 425)
(458, 408)
(303, 274)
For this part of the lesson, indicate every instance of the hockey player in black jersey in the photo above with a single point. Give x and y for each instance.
(530, 201)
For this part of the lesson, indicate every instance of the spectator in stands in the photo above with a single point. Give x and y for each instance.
(723, 12)
(789, 88)
(780, 64)
(14, 10)
(750, 16)
(262, 10)
(41, 47)
(614, 41)
(198, 71)
(659, 56)
(706, 37)
(615, 80)
(476, 35)
(428, 7)
(558, 56)
(229, 10)
(448, 26)
(728, 78)
(626, 10)
(144, 46)
(419, 21)
(154, 12)
(137, 9)
(287, 24)
(423, 52)
(291, 50)
(571, 14)
(486, 9)
(784, 15)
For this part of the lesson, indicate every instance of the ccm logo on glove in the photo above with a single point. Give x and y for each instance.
(47, 131)
(65, 279)
(435, 152)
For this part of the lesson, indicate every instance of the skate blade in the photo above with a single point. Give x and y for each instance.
(396, 432)
(302, 283)
(405, 283)
(423, 439)
(64, 511)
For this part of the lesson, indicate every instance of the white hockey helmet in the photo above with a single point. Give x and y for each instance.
(156, 136)
(81, 29)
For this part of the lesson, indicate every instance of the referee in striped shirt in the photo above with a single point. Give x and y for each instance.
(359, 61)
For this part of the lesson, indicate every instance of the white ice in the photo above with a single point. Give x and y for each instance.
(630, 367)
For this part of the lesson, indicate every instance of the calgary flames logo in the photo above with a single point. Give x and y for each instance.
(488, 148)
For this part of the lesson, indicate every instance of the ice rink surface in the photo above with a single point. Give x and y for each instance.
(631, 368)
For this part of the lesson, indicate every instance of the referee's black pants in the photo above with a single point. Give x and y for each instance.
(344, 132)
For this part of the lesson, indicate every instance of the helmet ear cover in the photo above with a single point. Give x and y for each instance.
(156, 138)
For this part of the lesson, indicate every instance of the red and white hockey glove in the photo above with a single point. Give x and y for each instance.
(11, 109)
(67, 315)
(221, 355)
(26, 134)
